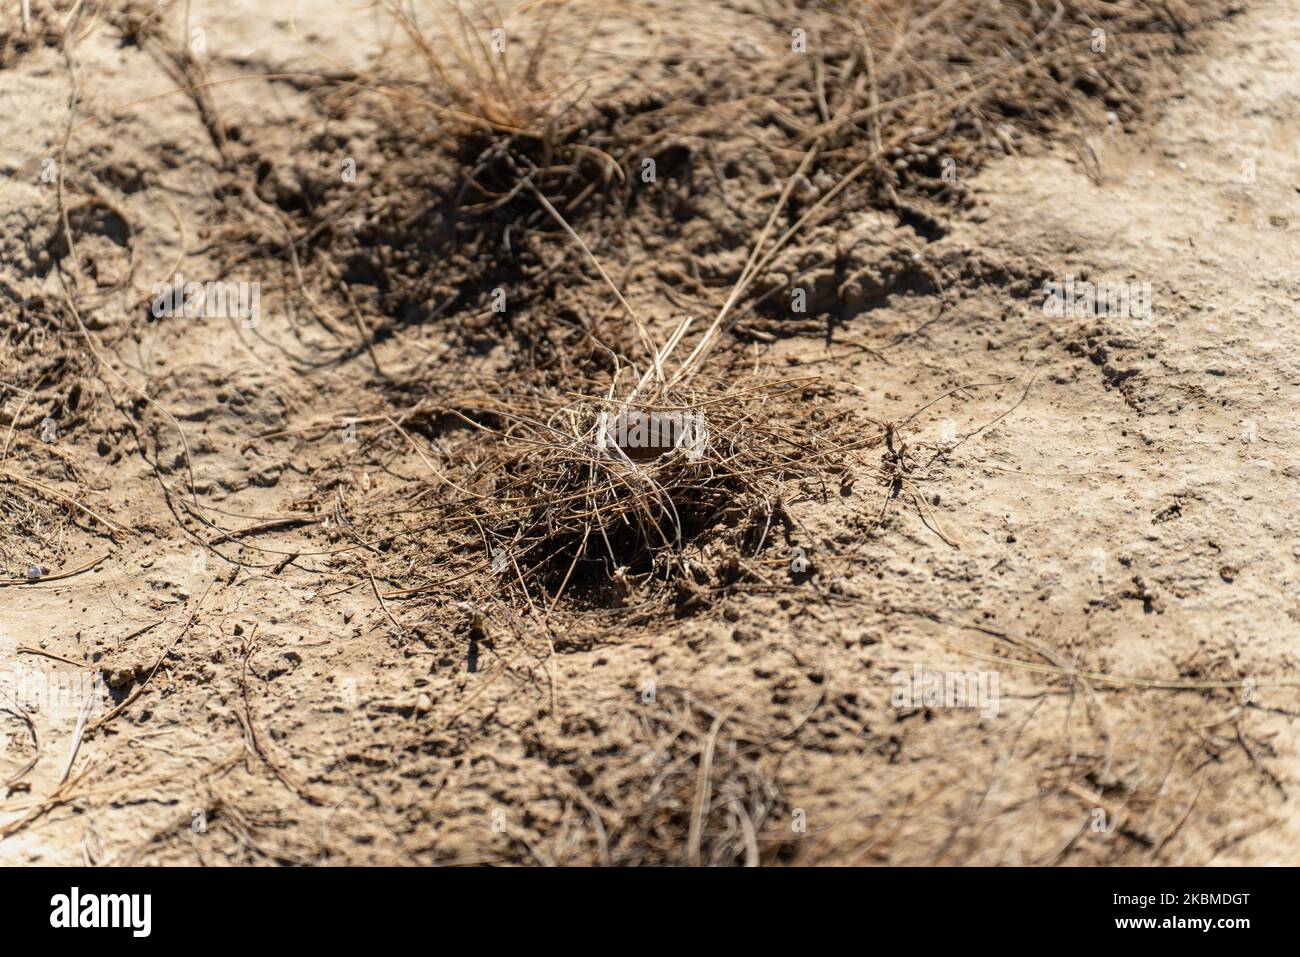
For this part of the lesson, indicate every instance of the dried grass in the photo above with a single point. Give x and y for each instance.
(480, 75)
(534, 502)
(689, 787)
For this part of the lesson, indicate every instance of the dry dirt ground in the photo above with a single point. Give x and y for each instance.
(1099, 516)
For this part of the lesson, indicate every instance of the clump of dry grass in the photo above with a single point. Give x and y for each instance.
(557, 490)
(480, 74)
(499, 86)
(556, 503)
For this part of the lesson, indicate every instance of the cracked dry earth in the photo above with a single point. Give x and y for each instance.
(1122, 497)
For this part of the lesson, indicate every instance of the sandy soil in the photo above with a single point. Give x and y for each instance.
(1118, 495)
